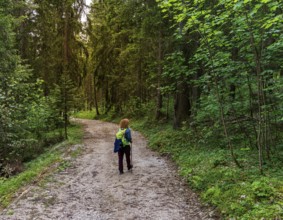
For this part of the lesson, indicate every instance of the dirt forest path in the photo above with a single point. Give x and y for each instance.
(91, 187)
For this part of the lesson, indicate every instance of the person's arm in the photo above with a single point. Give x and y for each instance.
(128, 135)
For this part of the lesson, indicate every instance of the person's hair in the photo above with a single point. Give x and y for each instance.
(124, 123)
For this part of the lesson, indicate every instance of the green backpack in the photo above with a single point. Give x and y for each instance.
(118, 143)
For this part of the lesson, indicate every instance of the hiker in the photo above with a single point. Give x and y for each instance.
(125, 134)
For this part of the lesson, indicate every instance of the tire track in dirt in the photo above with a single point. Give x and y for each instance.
(91, 187)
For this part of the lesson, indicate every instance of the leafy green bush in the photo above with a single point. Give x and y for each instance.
(34, 168)
(237, 193)
(85, 114)
(262, 189)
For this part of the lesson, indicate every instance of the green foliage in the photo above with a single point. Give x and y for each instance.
(64, 96)
(85, 114)
(212, 194)
(262, 188)
(75, 134)
(34, 168)
(237, 193)
(42, 164)
(224, 58)
(50, 40)
(175, 72)
(30, 119)
(25, 114)
(123, 42)
(233, 67)
(136, 110)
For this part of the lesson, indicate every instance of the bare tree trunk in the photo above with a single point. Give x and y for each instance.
(159, 72)
(182, 108)
(65, 70)
(95, 94)
(167, 107)
(260, 97)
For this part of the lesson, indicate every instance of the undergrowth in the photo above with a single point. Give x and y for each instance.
(237, 193)
(85, 114)
(35, 169)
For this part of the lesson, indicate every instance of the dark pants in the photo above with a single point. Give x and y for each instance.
(127, 151)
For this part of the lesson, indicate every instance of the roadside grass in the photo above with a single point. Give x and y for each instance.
(236, 193)
(85, 114)
(37, 168)
(110, 117)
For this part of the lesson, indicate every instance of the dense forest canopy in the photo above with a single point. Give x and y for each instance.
(212, 68)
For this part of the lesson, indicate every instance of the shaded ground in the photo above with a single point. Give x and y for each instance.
(91, 188)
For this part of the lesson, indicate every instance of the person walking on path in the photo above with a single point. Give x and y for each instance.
(124, 133)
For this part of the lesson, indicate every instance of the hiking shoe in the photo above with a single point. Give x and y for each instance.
(130, 167)
(121, 172)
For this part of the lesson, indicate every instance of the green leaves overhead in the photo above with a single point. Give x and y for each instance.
(174, 71)
(234, 49)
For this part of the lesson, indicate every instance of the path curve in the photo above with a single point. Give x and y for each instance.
(91, 188)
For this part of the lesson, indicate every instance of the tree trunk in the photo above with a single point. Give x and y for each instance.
(182, 107)
(159, 98)
(260, 97)
(65, 70)
(95, 94)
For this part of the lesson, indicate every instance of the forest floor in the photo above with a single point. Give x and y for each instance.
(90, 186)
